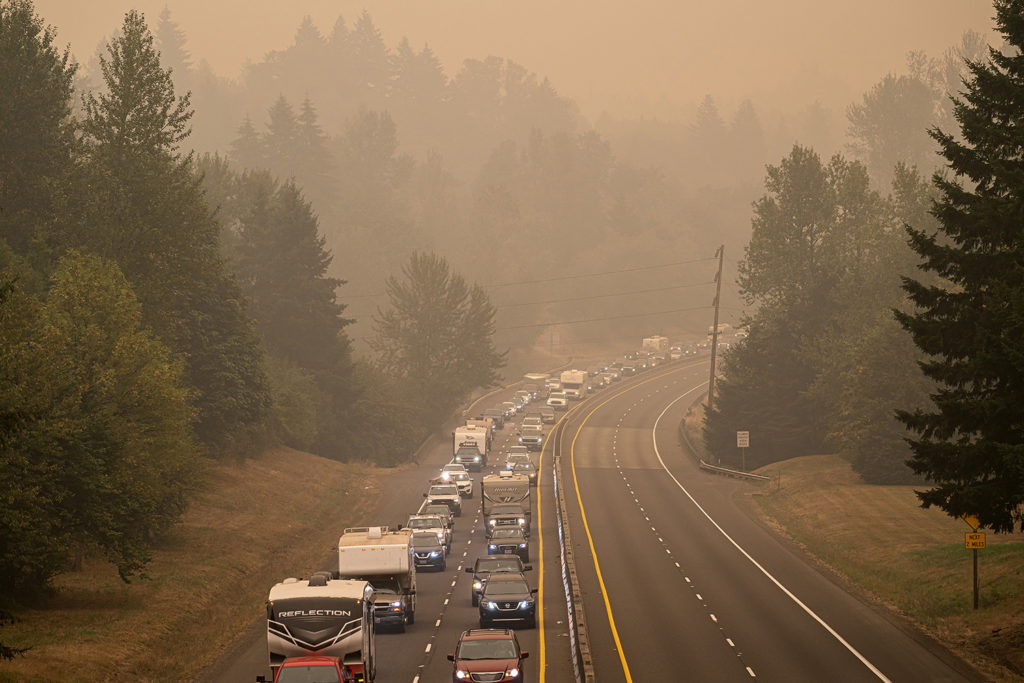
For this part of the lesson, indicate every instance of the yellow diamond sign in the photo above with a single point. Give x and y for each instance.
(972, 521)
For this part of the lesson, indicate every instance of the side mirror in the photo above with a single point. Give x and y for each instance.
(533, 590)
(424, 495)
(524, 655)
(469, 570)
(261, 679)
(528, 568)
(451, 658)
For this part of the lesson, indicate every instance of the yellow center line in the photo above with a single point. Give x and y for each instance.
(586, 527)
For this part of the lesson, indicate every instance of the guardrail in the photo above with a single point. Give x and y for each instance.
(579, 639)
(732, 473)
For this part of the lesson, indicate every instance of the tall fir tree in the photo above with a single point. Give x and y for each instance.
(36, 127)
(142, 206)
(970, 442)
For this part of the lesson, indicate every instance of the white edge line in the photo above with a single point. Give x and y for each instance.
(805, 608)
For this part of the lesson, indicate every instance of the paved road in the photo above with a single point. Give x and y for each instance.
(681, 583)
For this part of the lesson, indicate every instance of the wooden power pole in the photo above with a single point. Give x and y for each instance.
(714, 330)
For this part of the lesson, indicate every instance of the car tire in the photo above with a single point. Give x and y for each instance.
(475, 600)
(410, 618)
(444, 564)
(532, 622)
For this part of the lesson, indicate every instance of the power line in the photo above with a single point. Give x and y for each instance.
(593, 320)
(563, 277)
(604, 296)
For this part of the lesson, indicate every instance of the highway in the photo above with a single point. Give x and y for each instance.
(680, 582)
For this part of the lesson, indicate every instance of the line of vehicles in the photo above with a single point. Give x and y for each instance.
(323, 627)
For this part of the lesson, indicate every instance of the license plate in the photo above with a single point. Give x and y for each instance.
(508, 551)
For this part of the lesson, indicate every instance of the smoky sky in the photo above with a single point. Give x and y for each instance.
(627, 57)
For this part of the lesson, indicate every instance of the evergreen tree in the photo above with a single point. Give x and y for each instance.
(141, 205)
(970, 443)
(36, 128)
(246, 149)
(170, 40)
(282, 140)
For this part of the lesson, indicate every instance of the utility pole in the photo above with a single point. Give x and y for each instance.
(714, 334)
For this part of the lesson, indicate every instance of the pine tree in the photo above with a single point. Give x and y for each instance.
(970, 444)
(36, 128)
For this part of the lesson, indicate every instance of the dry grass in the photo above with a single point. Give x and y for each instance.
(257, 522)
(905, 557)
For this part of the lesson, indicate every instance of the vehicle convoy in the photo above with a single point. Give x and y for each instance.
(384, 558)
(470, 444)
(574, 384)
(504, 488)
(323, 616)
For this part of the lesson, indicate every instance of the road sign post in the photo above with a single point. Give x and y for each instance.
(974, 541)
(742, 442)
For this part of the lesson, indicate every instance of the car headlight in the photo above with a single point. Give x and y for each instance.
(524, 604)
(396, 603)
(520, 439)
(446, 475)
(490, 604)
(522, 520)
(492, 547)
(492, 522)
(522, 545)
(461, 675)
(512, 673)
(476, 458)
(440, 536)
(435, 553)
(477, 585)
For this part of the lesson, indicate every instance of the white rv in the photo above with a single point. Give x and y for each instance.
(323, 616)
(384, 558)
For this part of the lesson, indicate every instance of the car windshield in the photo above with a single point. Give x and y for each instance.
(424, 523)
(496, 587)
(425, 541)
(443, 491)
(507, 533)
(524, 466)
(491, 648)
(461, 476)
(499, 564)
(311, 673)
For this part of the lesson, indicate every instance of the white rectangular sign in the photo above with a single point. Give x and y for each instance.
(742, 439)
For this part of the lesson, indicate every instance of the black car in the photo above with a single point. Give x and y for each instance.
(428, 551)
(507, 597)
(507, 515)
(492, 564)
(527, 470)
(508, 541)
(496, 414)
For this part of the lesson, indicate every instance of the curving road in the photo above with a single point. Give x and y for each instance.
(681, 583)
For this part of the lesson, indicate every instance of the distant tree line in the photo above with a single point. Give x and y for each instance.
(159, 311)
(838, 274)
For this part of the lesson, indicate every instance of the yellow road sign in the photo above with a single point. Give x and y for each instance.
(972, 521)
(975, 541)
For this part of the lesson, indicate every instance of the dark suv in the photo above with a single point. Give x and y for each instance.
(492, 564)
(491, 654)
(507, 597)
(508, 541)
(428, 551)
